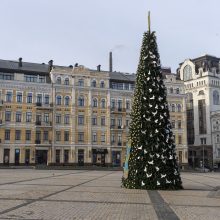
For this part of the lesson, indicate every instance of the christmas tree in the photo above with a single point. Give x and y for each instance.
(152, 161)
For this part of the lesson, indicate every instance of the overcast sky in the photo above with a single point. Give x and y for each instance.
(84, 31)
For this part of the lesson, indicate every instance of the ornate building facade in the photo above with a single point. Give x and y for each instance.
(73, 115)
(201, 78)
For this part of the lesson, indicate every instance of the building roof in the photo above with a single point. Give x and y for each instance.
(13, 66)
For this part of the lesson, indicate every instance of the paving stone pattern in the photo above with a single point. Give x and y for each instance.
(82, 194)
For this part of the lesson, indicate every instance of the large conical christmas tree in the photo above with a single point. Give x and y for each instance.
(152, 162)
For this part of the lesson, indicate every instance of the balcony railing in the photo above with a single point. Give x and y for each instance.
(37, 141)
(1, 103)
(38, 123)
(119, 143)
(38, 104)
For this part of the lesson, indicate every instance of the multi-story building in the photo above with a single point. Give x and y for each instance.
(201, 78)
(73, 115)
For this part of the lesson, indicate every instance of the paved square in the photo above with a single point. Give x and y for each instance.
(82, 194)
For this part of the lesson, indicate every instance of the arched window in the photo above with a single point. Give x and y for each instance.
(94, 102)
(58, 100)
(103, 103)
(173, 108)
(93, 83)
(67, 81)
(102, 84)
(177, 91)
(215, 98)
(67, 100)
(187, 73)
(58, 80)
(201, 92)
(81, 101)
(171, 90)
(179, 108)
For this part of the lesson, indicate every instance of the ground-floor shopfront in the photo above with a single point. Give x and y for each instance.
(62, 155)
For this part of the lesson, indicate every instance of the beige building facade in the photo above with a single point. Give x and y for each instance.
(56, 115)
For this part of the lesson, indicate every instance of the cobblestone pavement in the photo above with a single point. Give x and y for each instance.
(81, 194)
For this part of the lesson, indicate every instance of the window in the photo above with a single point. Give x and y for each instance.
(18, 117)
(7, 134)
(42, 79)
(180, 139)
(103, 103)
(81, 82)
(46, 99)
(57, 156)
(66, 101)
(58, 136)
(120, 122)
(217, 138)
(38, 135)
(66, 119)
(38, 118)
(173, 108)
(179, 124)
(112, 122)
(112, 103)
(94, 102)
(66, 156)
(187, 73)
(127, 104)
(126, 86)
(103, 138)
(28, 135)
(29, 98)
(81, 120)
(127, 123)
(94, 120)
(102, 121)
(177, 91)
(46, 117)
(58, 118)
(29, 78)
(58, 100)
(215, 98)
(119, 140)
(17, 135)
(93, 83)
(39, 98)
(19, 97)
(58, 80)
(7, 116)
(94, 137)
(28, 116)
(203, 141)
(173, 124)
(119, 105)
(9, 97)
(179, 108)
(112, 139)
(66, 135)
(171, 90)
(80, 136)
(102, 84)
(174, 138)
(81, 101)
(67, 81)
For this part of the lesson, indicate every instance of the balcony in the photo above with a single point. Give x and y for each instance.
(38, 104)
(37, 141)
(1, 103)
(38, 122)
(118, 110)
(119, 143)
(112, 127)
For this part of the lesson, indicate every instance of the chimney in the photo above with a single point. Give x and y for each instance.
(50, 65)
(20, 62)
(110, 62)
(76, 65)
(99, 68)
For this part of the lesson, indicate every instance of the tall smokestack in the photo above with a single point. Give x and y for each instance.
(110, 62)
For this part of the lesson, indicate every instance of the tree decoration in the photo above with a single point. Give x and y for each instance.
(152, 163)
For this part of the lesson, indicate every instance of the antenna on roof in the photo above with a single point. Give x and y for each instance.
(149, 21)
